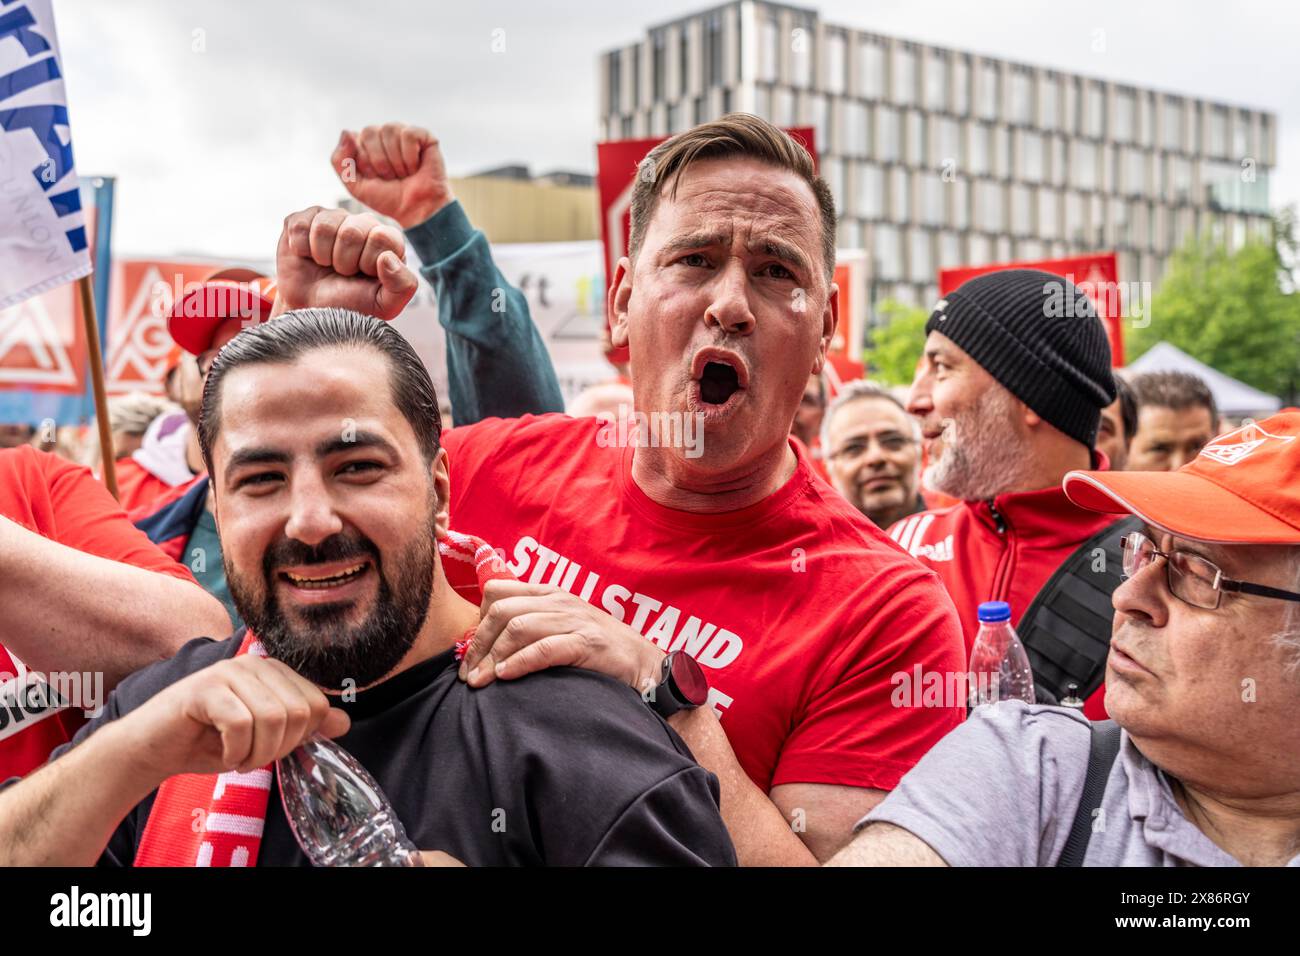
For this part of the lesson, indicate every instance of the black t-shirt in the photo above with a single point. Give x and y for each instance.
(565, 767)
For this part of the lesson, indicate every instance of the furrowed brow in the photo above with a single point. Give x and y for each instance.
(785, 252)
(697, 240)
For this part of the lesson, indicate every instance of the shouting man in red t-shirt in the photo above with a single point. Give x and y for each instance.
(690, 542)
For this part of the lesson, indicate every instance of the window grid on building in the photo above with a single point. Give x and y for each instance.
(940, 157)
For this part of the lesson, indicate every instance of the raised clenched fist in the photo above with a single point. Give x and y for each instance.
(331, 258)
(395, 169)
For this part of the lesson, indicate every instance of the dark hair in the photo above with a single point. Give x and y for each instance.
(739, 135)
(1175, 390)
(1128, 408)
(292, 335)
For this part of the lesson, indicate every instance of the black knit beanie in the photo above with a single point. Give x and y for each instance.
(1037, 334)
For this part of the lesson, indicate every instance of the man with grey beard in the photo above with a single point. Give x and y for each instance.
(1015, 374)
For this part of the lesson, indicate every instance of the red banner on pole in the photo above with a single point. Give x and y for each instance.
(141, 349)
(1096, 274)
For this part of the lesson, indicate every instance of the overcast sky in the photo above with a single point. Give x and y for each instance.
(212, 148)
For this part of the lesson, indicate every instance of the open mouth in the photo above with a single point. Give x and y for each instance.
(719, 375)
(334, 578)
(718, 382)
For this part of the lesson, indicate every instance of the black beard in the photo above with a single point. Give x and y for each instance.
(322, 648)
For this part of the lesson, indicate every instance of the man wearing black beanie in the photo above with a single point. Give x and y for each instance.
(1015, 375)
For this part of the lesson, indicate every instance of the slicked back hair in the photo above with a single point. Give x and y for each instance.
(740, 135)
(286, 339)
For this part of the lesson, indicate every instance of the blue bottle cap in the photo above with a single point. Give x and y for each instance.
(994, 612)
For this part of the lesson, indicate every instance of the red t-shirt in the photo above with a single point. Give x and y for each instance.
(804, 615)
(63, 502)
(813, 453)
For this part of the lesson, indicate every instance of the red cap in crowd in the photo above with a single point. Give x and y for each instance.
(226, 294)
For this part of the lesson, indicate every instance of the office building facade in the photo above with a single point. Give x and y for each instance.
(941, 157)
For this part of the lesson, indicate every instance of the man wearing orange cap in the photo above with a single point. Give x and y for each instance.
(1203, 683)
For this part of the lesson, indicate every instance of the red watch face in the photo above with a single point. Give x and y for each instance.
(689, 679)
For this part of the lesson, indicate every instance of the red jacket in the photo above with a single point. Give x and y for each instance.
(1000, 550)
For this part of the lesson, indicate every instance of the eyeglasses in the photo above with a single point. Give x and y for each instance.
(1191, 578)
(891, 444)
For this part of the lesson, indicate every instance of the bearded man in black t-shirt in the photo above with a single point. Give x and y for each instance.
(321, 433)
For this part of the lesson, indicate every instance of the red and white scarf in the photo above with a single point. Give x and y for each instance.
(203, 819)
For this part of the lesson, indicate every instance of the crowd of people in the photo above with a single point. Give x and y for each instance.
(553, 648)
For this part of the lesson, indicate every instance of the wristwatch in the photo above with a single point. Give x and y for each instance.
(682, 686)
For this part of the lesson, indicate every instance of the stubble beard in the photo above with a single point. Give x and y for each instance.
(982, 454)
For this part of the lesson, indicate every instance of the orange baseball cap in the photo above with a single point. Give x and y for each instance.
(224, 295)
(1243, 488)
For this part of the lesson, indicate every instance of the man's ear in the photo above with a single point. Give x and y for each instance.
(616, 303)
(440, 472)
(830, 322)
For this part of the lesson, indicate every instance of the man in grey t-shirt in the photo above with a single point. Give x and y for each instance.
(1203, 677)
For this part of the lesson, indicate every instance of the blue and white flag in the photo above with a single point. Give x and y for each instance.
(43, 242)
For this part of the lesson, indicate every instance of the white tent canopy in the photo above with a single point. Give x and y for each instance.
(1234, 398)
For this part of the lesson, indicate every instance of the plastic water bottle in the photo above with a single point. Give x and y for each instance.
(999, 667)
(337, 812)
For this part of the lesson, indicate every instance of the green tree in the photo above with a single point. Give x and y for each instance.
(897, 343)
(1233, 311)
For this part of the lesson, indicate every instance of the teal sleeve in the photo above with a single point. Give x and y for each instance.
(497, 365)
